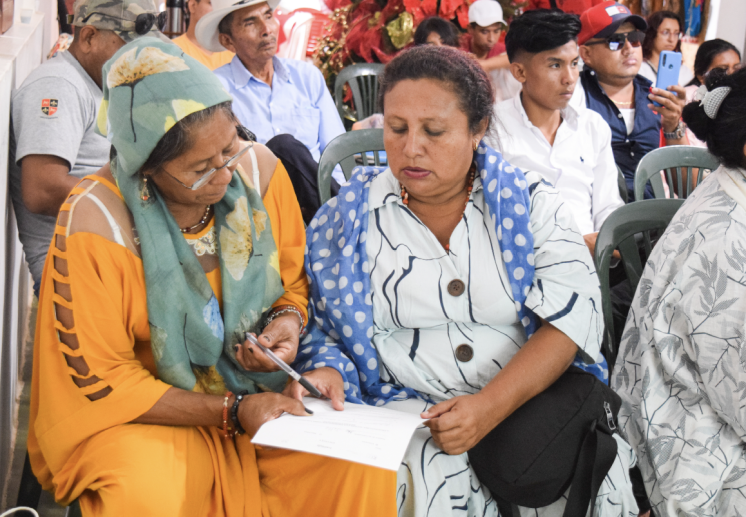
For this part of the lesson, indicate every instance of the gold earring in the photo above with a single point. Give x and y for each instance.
(476, 144)
(145, 193)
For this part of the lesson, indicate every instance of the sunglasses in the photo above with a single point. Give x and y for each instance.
(143, 23)
(205, 177)
(618, 40)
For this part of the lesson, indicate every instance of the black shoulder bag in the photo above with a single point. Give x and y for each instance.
(560, 438)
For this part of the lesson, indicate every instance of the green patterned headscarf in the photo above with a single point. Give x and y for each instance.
(150, 86)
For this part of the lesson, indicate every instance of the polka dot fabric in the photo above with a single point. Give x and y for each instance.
(341, 329)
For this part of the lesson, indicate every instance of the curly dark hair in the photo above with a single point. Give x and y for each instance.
(457, 69)
(654, 22)
(447, 31)
(726, 133)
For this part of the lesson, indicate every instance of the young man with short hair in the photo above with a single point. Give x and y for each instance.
(539, 130)
(482, 39)
(611, 48)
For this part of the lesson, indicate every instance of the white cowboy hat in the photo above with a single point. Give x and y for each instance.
(206, 30)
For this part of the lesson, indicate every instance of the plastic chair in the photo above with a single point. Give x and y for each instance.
(363, 81)
(29, 493)
(622, 184)
(620, 231)
(671, 160)
(29, 489)
(343, 150)
(74, 510)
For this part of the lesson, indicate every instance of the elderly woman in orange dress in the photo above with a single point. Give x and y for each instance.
(145, 393)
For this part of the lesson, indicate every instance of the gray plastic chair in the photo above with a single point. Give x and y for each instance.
(343, 150)
(671, 160)
(363, 81)
(622, 184)
(620, 231)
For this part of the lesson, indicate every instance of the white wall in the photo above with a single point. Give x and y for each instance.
(21, 50)
(728, 22)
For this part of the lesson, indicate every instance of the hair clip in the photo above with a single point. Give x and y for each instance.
(712, 100)
(700, 93)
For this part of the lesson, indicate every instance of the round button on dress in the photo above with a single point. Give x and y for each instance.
(464, 353)
(456, 287)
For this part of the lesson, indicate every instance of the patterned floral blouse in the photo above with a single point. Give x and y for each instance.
(681, 369)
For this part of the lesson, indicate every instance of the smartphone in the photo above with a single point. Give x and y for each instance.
(669, 65)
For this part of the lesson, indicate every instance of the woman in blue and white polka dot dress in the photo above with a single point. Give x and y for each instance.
(451, 284)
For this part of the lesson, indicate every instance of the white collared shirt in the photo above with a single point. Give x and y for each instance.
(580, 164)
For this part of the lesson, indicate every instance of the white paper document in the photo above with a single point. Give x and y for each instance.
(363, 434)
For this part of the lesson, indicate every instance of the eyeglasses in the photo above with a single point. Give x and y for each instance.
(201, 182)
(666, 33)
(143, 23)
(618, 40)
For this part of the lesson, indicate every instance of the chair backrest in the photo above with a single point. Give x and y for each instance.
(622, 185)
(363, 81)
(342, 150)
(671, 160)
(628, 229)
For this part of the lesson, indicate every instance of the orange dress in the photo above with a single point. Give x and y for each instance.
(96, 373)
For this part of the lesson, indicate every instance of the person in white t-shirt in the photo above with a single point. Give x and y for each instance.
(663, 33)
(539, 130)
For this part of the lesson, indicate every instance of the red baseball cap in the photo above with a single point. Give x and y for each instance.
(602, 20)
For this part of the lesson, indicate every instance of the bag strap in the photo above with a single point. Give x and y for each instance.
(506, 509)
(553, 4)
(597, 455)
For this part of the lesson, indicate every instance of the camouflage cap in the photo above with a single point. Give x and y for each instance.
(120, 16)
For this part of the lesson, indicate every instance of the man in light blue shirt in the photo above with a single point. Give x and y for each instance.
(297, 103)
(271, 96)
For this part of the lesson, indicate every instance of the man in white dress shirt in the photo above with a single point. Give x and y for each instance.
(539, 130)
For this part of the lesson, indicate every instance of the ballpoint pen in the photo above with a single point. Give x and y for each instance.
(282, 364)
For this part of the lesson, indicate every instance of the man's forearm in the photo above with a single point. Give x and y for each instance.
(495, 63)
(45, 183)
(51, 197)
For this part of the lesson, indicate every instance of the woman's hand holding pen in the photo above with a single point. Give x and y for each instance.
(328, 381)
(257, 409)
(281, 336)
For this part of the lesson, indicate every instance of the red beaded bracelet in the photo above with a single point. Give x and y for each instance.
(227, 431)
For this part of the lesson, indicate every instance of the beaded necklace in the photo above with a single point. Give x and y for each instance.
(469, 187)
(201, 221)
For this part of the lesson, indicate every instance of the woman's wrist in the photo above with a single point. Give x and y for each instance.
(282, 311)
(491, 408)
(237, 427)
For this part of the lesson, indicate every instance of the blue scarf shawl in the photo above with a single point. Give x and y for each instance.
(340, 332)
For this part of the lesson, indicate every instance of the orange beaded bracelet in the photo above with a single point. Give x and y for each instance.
(228, 432)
